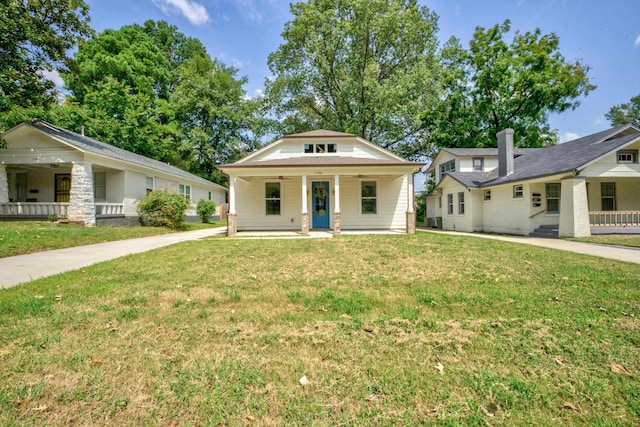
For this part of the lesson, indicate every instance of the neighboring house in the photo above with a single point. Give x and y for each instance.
(590, 185)
(321, 180)
(47, 170)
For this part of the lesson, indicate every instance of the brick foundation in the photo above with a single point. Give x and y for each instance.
(411, 223)
(232, 227)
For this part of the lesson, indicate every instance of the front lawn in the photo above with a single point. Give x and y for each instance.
(23, 237)
(387, 330)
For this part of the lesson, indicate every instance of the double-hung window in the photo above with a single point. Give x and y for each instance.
(450, 204)
(553, 198)
(461, 203)
(518, 192)
(608, 196)
(369, 197)
(487, 195)
(272, 197)
(100, 186)
(151, 184)
(185, 191)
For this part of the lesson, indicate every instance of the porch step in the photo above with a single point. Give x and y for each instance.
(549, 231)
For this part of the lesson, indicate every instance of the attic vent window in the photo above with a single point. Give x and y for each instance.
(320, 148)
(628, 156)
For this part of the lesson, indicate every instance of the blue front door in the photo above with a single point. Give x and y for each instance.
(320, 204)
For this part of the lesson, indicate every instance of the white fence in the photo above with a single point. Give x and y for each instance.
(108, 208)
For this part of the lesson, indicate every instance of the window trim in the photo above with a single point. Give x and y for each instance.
(265, 198)
(314, 147)
(182, 189)
(602, 197)
(375, 198)
(449, 203)
(487, 195)
(102, 186)
(632, 153)
(518, 193)
(153, 183)
(442, 167)
(473, 164)
(547, 198)
(461, 203)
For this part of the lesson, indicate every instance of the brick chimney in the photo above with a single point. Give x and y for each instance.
(505, 152)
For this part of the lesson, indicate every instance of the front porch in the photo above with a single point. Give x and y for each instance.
(614, 222)
(46, 210)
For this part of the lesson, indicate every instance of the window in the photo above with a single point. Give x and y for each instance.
(209, 196)
(151, 184)
(628, 156)
(100, 186)
(517, 191)
(461, 203)
(478, 164)
(369, 197)
(440, 202)
(450, 204)
(185, 191)
(320, 148)
(272, 198)
(487, 194)
(553, 198)
(608, 196)
(449, 166)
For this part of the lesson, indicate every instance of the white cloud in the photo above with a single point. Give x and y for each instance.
(54, 76)
(568, 136)
(193, 11)
(637, 42)
(259, 93)
(250, 10)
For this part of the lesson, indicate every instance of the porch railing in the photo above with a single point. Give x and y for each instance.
(109, 209)
(34, 209)
(614, 218)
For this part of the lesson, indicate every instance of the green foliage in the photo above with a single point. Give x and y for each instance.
(161, 209)
(494, 85)
(35, 36)
(625, 113)
(205, 209)
(366, 67)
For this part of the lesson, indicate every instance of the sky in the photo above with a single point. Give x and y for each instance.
(605, 35)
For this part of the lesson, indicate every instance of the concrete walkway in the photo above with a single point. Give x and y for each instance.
(24, 268)
(619, 253)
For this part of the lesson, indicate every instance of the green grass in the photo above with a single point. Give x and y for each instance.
(218, 332)
(619, 240)
(23, 237)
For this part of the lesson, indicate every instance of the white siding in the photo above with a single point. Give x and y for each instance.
(608, 166)
(391, 204)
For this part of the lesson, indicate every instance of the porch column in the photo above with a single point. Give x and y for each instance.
(305, 212)
(82, 207)
(4, 185)
(411, 213)
(574, 212)
(232, 226)
(337, 218)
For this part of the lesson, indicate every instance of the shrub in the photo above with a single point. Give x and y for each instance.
(161, 209)
(205, 209)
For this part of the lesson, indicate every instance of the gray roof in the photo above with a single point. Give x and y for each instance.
(321, 161)
(320, 133)
(567, 157)
(481, 152)
(93, 146)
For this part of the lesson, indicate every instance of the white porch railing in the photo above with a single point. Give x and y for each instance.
(108, 208)
(34, 209)
(614, 218)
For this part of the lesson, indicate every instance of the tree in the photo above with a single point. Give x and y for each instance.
(216, 120)
(625, 113)
(366, 67)
(35, 36)
(494, 85)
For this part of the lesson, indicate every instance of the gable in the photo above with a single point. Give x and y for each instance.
(25, 145)
(609, 164)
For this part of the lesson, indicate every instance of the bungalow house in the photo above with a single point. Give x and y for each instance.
(321, 180)
(47, 170)
(590, 185)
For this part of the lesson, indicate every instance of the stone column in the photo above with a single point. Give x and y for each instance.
(232, 225)
(574, 210)
(337, 218)
(304, 218)
(4, 185)
(82, 207)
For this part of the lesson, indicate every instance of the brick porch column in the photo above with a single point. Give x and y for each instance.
(574, 211)
(4, 185)
(82, 207)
